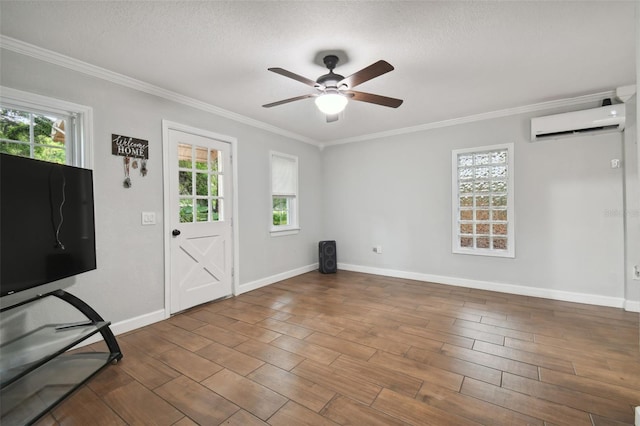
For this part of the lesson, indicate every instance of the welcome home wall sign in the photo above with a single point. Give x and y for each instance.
(130, 148)
(126, 146)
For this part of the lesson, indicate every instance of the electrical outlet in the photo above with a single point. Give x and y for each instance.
(636, 272)
(377, 249)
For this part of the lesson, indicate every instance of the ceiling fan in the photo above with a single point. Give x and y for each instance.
(333, 91)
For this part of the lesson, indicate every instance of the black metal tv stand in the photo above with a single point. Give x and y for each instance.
(36, 369)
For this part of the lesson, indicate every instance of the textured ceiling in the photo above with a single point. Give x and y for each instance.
(451, 59)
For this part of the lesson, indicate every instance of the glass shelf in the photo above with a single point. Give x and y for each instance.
(37, 368)
(24, 400)
(19, 356)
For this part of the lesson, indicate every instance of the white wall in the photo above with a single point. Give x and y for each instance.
(129, 281)
(396, 192)
(632, 206)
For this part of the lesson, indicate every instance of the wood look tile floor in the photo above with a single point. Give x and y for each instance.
(358, 349)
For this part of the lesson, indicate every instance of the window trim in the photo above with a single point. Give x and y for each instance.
(511, 240)
(82, 150)
(293, 227)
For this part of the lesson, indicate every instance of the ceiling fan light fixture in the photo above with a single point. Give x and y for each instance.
(331, 103)
(333, 91)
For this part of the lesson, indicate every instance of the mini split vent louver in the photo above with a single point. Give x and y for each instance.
(610, 118)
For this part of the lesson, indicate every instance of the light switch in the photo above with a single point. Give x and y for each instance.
(148, 218)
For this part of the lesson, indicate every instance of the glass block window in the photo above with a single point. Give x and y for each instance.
(483, 201)
(284, 194)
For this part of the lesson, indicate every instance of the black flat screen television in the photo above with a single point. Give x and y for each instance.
(47, 225)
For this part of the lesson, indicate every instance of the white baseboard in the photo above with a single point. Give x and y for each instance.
(128, 325)
(253, 285)
(159, 315)
(138, 322)
(632, 305)
(591, 299)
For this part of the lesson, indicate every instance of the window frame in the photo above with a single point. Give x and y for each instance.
(455, 204)
(292, 199)
(79, 153)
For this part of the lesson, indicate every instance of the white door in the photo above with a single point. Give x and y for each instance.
(200, 206)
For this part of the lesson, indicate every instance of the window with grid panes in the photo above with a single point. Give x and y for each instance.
(200, 179)
(44, 128)
(284, 194)
(483, 201)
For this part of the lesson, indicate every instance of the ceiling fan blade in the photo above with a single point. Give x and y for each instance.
(375, 99)
(366, 74)
(294, 76)
(286, 101)
(332, 117)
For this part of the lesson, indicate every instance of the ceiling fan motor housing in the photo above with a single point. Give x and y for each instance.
(331, 79)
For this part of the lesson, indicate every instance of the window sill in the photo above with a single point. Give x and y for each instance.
(485, 252)
(275, 232)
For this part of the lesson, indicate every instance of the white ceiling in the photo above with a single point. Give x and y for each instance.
(451, 59)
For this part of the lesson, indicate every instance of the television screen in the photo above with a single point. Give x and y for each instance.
(47, 228)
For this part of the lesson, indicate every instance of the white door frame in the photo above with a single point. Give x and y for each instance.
(166, 127)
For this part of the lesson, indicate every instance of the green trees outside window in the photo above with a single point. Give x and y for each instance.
(280, 211)
(199, 184)
(32, 135)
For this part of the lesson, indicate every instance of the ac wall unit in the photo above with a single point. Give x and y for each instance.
(608, 118)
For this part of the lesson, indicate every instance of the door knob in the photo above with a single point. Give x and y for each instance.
(175, 232)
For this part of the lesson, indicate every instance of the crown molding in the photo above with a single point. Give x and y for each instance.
(55, 58)
(578, 100)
